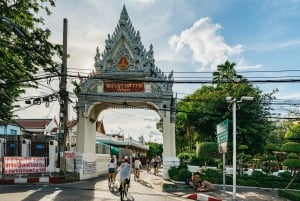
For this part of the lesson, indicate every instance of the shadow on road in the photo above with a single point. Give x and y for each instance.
(145, 183)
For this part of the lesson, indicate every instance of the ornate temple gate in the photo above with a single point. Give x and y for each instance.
(125, 76)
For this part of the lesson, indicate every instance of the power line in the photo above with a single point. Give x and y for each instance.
(121, 78)
(211, 72)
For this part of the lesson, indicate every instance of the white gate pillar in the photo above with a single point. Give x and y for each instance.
(86, 141)
(169, 144)
(86, 148)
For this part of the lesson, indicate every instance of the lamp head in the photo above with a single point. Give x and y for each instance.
(247, 98)
(229, 98)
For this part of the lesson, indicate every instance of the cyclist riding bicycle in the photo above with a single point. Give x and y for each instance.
(148, 165)
(137, 167)
(155, 165)
(125, 171)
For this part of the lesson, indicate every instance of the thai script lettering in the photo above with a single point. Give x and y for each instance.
(123, 86)
(16, 165)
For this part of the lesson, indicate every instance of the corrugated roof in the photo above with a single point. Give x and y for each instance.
(33, 123)
(72, 123)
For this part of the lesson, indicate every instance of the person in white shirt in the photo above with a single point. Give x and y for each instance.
(125, 171)
(137, 167)
(112, 170)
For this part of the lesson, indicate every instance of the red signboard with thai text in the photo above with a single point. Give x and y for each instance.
(70, 154)
(23, 165)
(123, 86)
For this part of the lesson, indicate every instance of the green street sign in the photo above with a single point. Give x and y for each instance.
(222, 132)
(222, 138)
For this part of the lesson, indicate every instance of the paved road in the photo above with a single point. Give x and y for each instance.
(149, 188)
(88, 190)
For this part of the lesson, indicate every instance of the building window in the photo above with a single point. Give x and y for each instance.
(13, 131)
(102, 149)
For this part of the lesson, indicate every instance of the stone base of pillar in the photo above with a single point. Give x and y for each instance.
(167, 163)
(86, 165)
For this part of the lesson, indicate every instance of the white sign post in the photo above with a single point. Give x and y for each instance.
(222, 136)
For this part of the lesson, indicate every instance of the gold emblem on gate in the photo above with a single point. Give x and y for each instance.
(123, 63)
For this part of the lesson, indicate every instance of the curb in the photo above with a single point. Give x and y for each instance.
(202, 197)
(31, 180)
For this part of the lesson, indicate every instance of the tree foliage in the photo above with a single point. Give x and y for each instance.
(208, 150)
(277, 134)
(271, 147)
(207, 107)
(292, 163)
(22, 57)
(291, 147)
(293, 133)
(155, 150)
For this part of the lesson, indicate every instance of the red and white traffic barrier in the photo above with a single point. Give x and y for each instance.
(30, 180)
(202, 197)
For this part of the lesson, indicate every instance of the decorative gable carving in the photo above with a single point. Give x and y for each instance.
(126, 58)
(125, 41)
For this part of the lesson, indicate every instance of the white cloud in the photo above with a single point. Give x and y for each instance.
(207, 46)
(262, 47)
(145, 2)
(242, 65)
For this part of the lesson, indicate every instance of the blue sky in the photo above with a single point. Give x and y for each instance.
(187, 36)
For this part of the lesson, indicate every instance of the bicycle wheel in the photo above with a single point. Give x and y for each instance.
(122, 191)
(135, 176)
(126, 190)
(109, 182)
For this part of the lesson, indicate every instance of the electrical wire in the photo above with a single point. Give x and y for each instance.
(277, 79)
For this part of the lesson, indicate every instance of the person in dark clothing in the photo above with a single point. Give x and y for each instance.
(196, 180)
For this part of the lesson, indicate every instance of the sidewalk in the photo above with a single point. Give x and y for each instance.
(180, 189)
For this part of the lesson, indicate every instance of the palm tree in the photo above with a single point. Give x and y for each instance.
(226, 75)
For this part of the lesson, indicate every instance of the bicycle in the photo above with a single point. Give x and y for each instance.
(136, 174)
(124, 189)
(156, 171)
(148, 168)
(111, 181)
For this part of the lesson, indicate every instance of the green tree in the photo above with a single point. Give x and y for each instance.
(271, 162)
(207, 152)
(207, 107)
(243, 158)
(225, 77)
(275, 139)
(293, 148)
(276, 136)
(253, 125)
(199, 114)
(184, 126)
(155, 149)
(22, 57)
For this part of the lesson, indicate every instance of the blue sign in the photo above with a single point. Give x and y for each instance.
(39, 146)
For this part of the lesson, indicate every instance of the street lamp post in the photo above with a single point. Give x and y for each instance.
(233, 101)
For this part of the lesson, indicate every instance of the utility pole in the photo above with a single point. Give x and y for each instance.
(64, 96)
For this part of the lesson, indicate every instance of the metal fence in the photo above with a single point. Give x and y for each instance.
(14, 148)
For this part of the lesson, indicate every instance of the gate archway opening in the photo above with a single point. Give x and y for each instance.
(134, 122)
